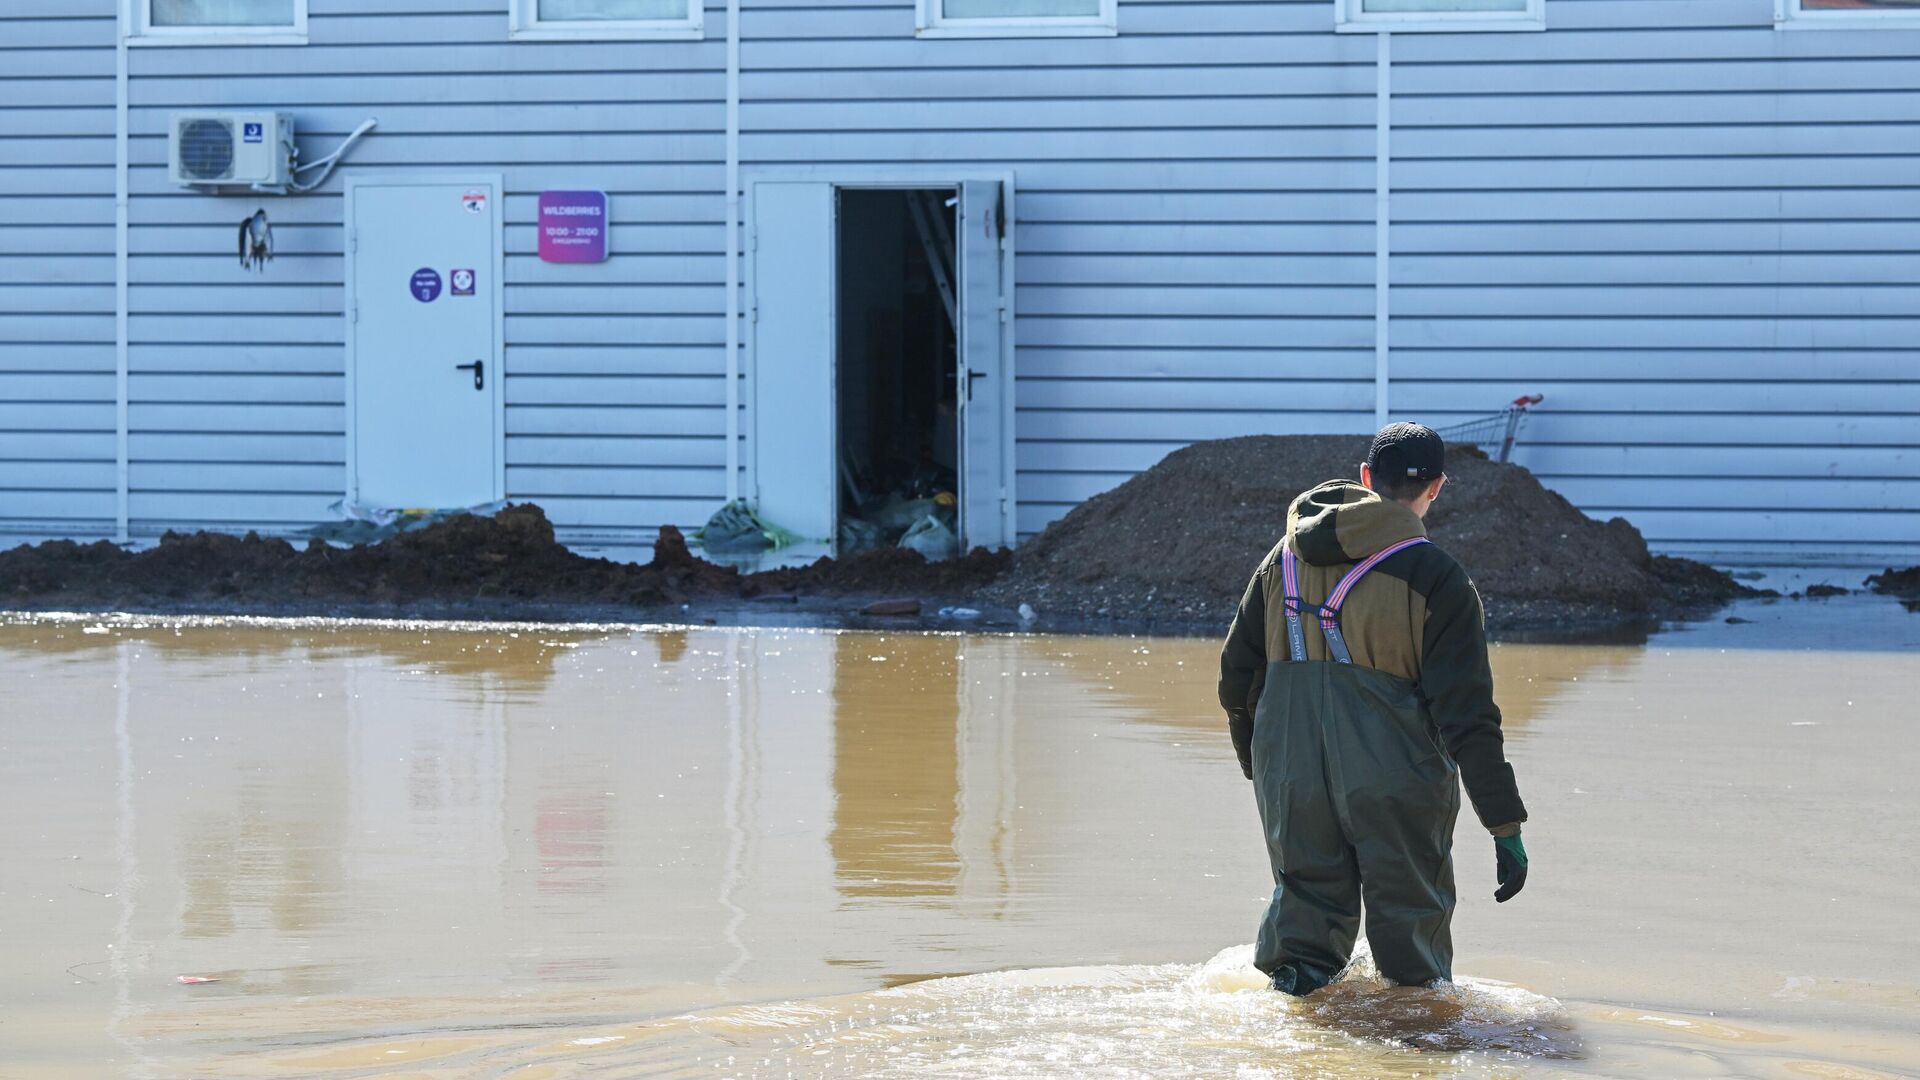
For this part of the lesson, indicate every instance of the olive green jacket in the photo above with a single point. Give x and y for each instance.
(1415, 617)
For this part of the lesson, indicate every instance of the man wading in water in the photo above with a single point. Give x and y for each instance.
(1354, 678)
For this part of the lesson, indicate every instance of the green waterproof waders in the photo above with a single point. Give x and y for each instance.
(1358, 802)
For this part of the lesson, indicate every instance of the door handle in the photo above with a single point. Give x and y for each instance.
(479, 369)
(972, 375)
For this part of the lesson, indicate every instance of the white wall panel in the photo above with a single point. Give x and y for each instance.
(57, 441)
(1699, 237)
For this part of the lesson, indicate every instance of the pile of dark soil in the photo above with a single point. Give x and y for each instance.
(1173, 546)
(1179, 541)
(890, 571)
(1901, 583)
(508, 563)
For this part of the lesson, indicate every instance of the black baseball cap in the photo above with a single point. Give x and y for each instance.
(1414, 451)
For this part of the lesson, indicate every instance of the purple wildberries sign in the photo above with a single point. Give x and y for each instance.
(573, 226)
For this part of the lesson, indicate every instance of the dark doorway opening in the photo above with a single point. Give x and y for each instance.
(896, 367)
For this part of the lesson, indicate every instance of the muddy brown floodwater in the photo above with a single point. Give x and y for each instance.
(486, 851)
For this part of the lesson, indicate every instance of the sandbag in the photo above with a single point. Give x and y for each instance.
(736, 527)
(932, 538)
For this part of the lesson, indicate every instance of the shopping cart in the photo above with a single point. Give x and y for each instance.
(1495, 433)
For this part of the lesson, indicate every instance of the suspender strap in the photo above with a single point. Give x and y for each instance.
(1329, 612)
(1290, 579)
(1359, 570)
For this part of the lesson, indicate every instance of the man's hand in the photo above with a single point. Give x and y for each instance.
(1510, 867)
(1240, 728)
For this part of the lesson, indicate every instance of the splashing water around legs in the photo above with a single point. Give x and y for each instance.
(1213, 1019)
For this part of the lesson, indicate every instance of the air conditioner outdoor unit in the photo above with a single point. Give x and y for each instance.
(230, 149)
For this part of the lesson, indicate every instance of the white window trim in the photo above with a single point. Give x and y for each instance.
(1351, 18)
(1789, 15)
(141, 31)
(929, 23)
(525, 24)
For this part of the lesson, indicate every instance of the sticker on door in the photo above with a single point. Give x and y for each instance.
(475, 201)
(460, 283)
(425, 284)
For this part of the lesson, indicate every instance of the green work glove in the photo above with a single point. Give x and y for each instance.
(1510, 866)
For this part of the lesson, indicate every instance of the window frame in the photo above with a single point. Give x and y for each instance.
(1790, 15)
(525, 24)
(928, 22)
(1351, 17)
(142, 31)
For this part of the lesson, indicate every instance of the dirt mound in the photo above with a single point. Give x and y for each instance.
(1174, 544)
(1902, 583)
(508, 561)
(1180, 540)
(512, 555)
(888, 570)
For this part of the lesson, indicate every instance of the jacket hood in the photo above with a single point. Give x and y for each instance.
(1341, 522)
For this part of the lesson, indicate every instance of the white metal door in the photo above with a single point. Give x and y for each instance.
(423, 348)
(792, 308)
(985, 393)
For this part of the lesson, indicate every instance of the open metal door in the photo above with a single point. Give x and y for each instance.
(791, 240)
(985, 510)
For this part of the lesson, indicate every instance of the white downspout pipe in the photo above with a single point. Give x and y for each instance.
(733, 250)
(1382, 222)
(122, 28)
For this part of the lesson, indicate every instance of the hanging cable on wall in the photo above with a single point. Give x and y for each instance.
(327, 164)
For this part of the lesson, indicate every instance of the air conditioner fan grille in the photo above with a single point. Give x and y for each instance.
(206, 149)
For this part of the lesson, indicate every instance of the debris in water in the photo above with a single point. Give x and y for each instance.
(196, 980)
(892, 607)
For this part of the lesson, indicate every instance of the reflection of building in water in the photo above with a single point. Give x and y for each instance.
(521, 660)
(1172, 681)
(428, 756)
(611, 814)
(238, 788)
(1528, 679)
(399, 808)
(671, 645)
(984, 837)
(896, 767)
(570, 832)
(368, 813)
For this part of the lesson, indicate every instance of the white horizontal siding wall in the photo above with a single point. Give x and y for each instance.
(1194, 211)
(614, 373)
(1700, 238)
(58, 438)
(1695, 234)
